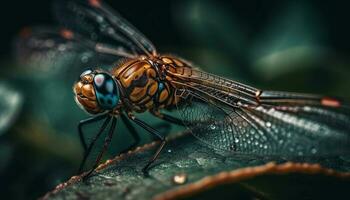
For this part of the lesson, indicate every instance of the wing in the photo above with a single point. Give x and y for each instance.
(54, 50)
(97, 21)
(94, 35)
(206, 119)
(266, 123)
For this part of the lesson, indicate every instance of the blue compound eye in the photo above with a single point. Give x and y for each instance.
(106, 90)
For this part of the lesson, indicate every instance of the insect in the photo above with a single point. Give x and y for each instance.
(223, 113)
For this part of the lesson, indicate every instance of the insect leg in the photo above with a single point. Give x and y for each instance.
(107, 141)
(85, 122)
(88, 150)
(132, 131)
(153, 132)
(169, 118)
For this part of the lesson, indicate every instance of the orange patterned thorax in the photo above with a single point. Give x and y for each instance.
(143, 86)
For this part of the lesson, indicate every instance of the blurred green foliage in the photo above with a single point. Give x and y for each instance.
(39, 147)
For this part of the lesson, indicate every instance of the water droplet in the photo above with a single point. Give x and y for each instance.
(212, 127)
(265, 146)
(110, 30)
(256, 143)
(307, 108)
(99, 19)
(180, 178)
(62, 47)
(169, 151)
(313, 150)
(84, 59)
(300, 153)
(268, 124)
(236, 140)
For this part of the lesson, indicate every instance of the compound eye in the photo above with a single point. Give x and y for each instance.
(86, 72)
(99, 80)
(106, 91)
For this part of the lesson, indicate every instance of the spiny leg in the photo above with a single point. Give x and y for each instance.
(107, 141)
(153, 132)
(162, 127)
(86, 122)
(88, 150)
(132, 131)
(168, 118)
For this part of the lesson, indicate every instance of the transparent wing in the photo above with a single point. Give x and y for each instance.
(207, 121)
(300, 130)
(277, 123)
(54, 50)
(98, 22)
(224, 128)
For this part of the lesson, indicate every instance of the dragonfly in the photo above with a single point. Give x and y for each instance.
(222, 113)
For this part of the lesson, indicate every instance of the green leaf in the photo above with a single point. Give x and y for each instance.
(187, 168)
(10, 105)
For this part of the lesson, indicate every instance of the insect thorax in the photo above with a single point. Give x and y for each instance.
(143, 85)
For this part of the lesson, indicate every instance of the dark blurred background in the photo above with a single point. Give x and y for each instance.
(301, 46)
